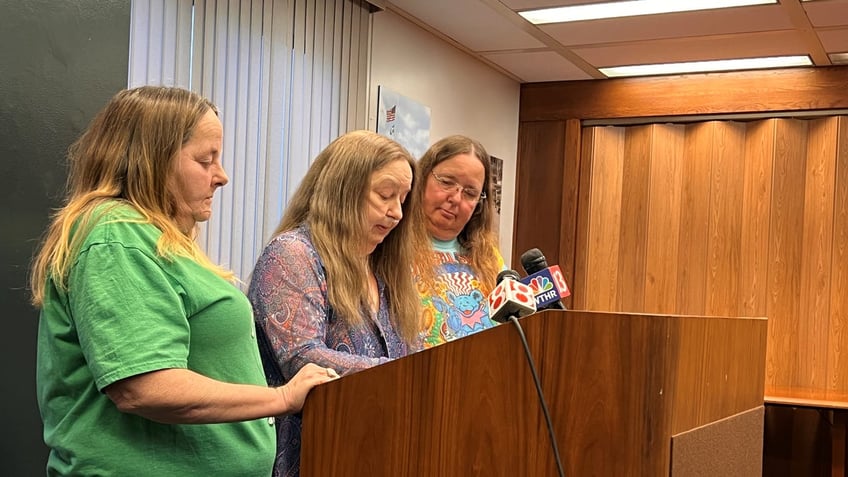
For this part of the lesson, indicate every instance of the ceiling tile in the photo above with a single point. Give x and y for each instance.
(534, 4)
(834, 41)
(472, 23)
(827, 13)
(494, 33)
(538, 66)
(695, 49)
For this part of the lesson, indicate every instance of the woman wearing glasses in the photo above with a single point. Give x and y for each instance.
(457, 275)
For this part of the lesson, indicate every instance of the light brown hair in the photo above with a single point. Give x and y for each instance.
(331, 201)
(477, 238)
(128, 155)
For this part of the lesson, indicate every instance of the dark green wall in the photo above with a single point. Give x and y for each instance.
(60, 61)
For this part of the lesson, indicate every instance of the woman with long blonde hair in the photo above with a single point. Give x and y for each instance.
(334, 286)
(143, 343)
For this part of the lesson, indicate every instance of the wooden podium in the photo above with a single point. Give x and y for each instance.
(629, 395)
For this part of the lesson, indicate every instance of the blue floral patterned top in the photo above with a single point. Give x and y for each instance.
(296, 325)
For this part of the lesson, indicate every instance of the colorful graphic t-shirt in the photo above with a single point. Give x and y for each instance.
(457, 307)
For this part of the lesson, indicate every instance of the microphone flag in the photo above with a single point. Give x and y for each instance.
(511, 298)
(548, 286)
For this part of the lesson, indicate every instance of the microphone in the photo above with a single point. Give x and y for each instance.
(548, 283)
(510, 298)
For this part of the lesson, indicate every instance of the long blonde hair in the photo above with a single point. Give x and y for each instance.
(477, 238)
(331, 201)
(127, 155)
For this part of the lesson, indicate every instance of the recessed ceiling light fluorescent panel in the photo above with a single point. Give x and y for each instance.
(706, 66)
(839, 58)
(631, 8)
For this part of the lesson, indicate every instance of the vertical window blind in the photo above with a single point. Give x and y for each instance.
(289, 76)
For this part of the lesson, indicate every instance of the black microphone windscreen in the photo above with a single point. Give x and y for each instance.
(508, 274)
(533, 261)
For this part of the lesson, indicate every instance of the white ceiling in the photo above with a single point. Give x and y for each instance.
(493, 31)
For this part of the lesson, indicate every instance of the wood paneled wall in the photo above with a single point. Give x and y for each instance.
(715, 217)
(723, 218)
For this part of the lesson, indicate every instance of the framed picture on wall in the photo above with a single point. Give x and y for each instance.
(404, 120)
(497, 188)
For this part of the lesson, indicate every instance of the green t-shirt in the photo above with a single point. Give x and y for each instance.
(128, 312)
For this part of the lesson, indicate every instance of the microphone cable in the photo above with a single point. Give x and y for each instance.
(541, 394)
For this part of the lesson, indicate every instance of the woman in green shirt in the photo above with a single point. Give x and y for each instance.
(147, 354)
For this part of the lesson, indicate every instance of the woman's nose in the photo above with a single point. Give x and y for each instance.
(221, 178)
(395, 211)
(455, 194)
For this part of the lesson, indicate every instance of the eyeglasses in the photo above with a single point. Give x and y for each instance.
(449, 185)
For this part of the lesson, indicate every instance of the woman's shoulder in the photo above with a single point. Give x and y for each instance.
(291, 250)
(292, 243)
(297, 237)
(115, 210)
(117, 221)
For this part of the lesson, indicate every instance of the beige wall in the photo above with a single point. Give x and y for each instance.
(464, 95)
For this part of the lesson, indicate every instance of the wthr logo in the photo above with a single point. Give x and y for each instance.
(540, 284)
(548, 286)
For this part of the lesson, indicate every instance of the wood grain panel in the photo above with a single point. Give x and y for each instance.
(582, 226)
(636, 169)
(762, 227)
(605, 219)
(714, 382)
(795, 89)
(798, 396)
(756, 207)
(837, 343)
(797, 442)
(727, 182)
(694, 215)
(783, 306)
(765, 251)
(613, 370)
(469, 407)
(817, 235)
(539, 173)
(570, 201)
(456, 399)
(690, 376)
(664, 206)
